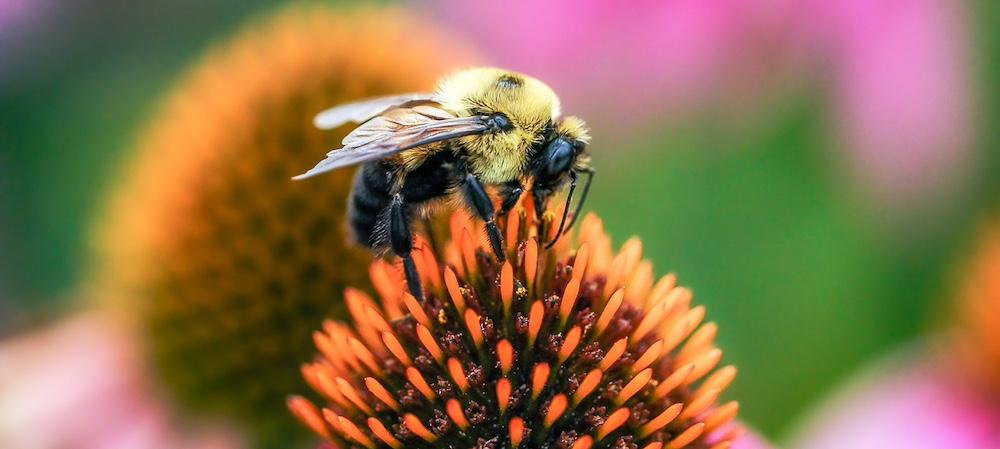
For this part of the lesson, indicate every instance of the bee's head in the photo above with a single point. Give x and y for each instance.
(562, 150)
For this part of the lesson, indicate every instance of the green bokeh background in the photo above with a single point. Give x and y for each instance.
(802, 272)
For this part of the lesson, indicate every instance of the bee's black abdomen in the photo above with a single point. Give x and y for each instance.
(372, 195)
(369, 199)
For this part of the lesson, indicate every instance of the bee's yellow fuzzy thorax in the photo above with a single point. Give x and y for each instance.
(529, 104)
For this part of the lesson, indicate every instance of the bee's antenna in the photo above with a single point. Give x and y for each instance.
(569, 200)
(583, 197)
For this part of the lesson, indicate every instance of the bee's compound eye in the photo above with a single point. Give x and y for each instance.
(501, 122)
(558, 158)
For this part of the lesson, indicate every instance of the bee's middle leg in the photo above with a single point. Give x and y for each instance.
(401, 240)
(475, 195)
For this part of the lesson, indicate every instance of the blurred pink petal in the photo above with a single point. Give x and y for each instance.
(898, 69)
(908, 403)
(750, 441)
(613, 60)
(79, 384)
(900, 75)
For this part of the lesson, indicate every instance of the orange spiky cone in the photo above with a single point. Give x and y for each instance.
(569, 348)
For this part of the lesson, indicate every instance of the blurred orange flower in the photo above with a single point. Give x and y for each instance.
(224, 263)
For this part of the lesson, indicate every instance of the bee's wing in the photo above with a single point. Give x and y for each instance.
(364, 110)
(396, 131)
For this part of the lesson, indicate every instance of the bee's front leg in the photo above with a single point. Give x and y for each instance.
(511, 192)
(476, 197)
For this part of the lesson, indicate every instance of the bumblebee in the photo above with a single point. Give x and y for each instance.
(482, 128)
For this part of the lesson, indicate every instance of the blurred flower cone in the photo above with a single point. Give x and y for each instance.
(81, 384)
(576, 347)
(224, 263)
(944, 394)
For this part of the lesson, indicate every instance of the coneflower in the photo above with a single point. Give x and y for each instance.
(976, 330)
(223, 262)
(568, 348)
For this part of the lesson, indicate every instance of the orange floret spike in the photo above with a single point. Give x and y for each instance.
(329, 388)
(382, 433)
(430, 343)
(699, 403)
(384, 283)
(309, 415)
(580, 261)
(468, 249)
(362, 353)
(687, 324)
(516, 427)
(458, 374)
(397, 350)
(474, 327)
(333, 420)
(503, 394)
(647, 358)
(677, 378)
(720, 380)
(353, 432)
(699, 340)
(507, 287)
(535, 317)
(531, 262)
(661, 420)
(613, 422)
(381, 393)
(660, 290)
(587, 386)
(513, 227)
(454, 410)
(420, 383)
(614, 353)
(610, 309)
(568, 301)
(454, 291)
(707, 362)
(639, 283)
(505, 353)
(432, 270)
(557, 406)
(376, 320)
(687, 436)
(722, 416)
(539, 377)
(416, 310)
(417, 428)
(652, 319)
(351, 394)
(570, 343)
(584, 442)
(633, 386)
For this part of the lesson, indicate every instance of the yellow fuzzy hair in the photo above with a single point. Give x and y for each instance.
(529, 104)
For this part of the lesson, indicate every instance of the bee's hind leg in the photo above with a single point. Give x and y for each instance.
(475, 196)
(401, 240)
